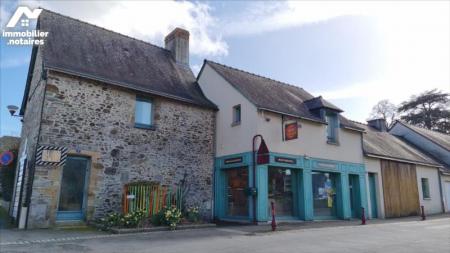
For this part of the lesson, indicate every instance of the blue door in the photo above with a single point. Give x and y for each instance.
(72, 195)
(355, 199)
(373, 195)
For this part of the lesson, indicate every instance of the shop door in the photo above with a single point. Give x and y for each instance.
(236, 197)
(355, 203)
(72, 196)
(373, 196)
(280, 187)
(324, 194)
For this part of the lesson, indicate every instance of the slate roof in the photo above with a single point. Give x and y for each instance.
(440, 139)
(271, 95)
(389, 146)
(319, 102)
(78, 48)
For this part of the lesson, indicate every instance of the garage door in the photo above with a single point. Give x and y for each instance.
(401, 195)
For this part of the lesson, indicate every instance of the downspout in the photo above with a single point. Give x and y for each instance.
(440, 191)
(254, 175)
(33, 167)
(213, 209)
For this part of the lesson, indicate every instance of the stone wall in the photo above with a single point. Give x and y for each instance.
(97, 120)
(31, 121)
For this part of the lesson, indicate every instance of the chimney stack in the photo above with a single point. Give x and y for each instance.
(379, 124)
(178, 43)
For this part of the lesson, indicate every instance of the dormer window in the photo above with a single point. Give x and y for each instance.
(332, 127)
(236, 115)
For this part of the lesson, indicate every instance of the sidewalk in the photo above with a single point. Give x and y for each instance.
(16, 236)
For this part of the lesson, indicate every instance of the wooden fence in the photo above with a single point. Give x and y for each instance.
(150, 197)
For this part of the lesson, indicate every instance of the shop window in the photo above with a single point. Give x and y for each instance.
(236, 115)
(425, 188)
(332, 128)
(143, 113)
(324, 194)
(237, 201)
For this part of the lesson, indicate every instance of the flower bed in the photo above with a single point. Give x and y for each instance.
(169, 218)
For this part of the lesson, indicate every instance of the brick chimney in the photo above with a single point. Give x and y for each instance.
(379, 124)
(178, 43)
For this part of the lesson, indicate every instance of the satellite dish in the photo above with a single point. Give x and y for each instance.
(12, 109)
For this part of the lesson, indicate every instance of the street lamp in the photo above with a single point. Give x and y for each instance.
(12, 110)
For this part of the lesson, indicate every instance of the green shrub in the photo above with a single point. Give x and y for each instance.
(170, 216)
(129, 220)
(193, 214)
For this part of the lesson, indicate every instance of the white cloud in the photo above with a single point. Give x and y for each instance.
(416, 47)
(148, 20)
(414, 42)
(14, 62)
(196, 68)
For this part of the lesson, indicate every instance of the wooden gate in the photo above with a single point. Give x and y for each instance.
(150, 197)
(401, 195)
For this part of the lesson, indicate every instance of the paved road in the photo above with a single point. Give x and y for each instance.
(405, 236)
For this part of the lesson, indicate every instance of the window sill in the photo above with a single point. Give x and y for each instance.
(235, 124)
(141, 126)
(426, 198)
(336, 143)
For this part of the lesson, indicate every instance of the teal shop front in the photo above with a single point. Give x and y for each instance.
(301, 188)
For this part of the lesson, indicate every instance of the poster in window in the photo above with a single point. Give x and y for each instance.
(291, 131)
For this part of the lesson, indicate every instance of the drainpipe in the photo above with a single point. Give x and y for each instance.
(254, 175)
(441, 191)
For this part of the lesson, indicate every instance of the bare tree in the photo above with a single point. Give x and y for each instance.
(386, 110)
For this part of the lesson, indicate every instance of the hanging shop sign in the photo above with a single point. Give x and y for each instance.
(6, 158)
(287, 160)
(291, 131)
(262, 155)
(51, 155)
(233, 160)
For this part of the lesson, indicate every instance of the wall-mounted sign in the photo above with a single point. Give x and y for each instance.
(325, 165)
(233, 160)
(287, 160)
(50, 155)
(6, 158)
(291, 131)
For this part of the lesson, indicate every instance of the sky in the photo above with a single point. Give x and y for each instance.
(353, 53)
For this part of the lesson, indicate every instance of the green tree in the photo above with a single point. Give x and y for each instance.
(430, 110)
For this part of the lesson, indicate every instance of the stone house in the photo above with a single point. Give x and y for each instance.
(310, 163)
(400, 177)
(432, 143)
(121, 109)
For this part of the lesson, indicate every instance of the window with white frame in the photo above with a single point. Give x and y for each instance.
(425, 188)
(143, 113)
(236, 115)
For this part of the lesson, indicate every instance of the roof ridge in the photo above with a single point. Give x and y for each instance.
(420, 127)
(107, 30)
(257, 75)
(357, 122)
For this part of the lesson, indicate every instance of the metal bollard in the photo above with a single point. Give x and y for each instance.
(363, 216)
(274, 224)
(423, 213)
